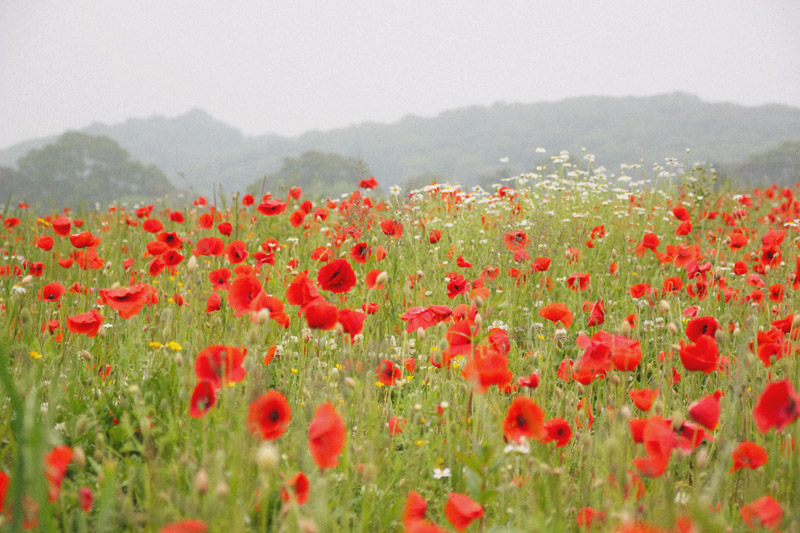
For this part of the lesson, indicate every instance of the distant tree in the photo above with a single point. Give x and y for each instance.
(319, 174)
(8, 179)
(79, 168)
(780, 165)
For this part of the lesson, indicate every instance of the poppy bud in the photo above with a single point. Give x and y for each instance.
(25, 315)
(178, 359)
(201, 481)
(664, 306)
(307, 525)
(252, 336)
(267, 457)
(222, 488)
(350, 382)
(701, 459)
(85, 355)
(191, 264)
(720, 336)
(27, 279)
(672, 328)
(767, 269)
(383, 277)
(421, 333)
(626, 413)
(677, 419)
(79, 456)
(625, 328)
(262, 317)
(81, 425)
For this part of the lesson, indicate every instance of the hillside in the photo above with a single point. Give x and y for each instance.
(464, 144)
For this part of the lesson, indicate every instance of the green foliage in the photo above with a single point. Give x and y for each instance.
(82, 169)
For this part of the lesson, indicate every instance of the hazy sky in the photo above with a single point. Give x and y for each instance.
(287, 67)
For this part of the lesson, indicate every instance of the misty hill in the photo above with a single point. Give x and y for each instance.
(464, 144)
(778, 165)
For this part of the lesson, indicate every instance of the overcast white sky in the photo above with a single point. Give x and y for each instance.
(287, 67)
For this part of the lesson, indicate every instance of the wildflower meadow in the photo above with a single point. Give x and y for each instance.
(566, 351)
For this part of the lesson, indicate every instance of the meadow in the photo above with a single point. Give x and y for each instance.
(569, 351)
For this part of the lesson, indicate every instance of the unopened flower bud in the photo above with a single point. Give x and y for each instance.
(201, 481)
(267, 457)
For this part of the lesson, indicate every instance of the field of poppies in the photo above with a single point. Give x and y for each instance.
(568, 351)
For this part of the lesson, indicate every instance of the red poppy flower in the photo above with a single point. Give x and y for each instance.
(531, 381)
(557, 312)
(209, 246)
(352, 322)
(219, 278)
(706, 411)
(84, 240)
(702, 325)
(681, 213)
(541, 264)
(414, 509)
(242, 293)
(702, 356)
(777, 407)
(301, 291)
(271, 207)
(151, 225)
(524, 418)
(225, 228)
(360, 252)
(434, 236)
(185, 526)
(128, 301)
(236, 252)
(486, 368)
(326, 436)
(396, 425)
(392, 228)
(203, 399)
(220, 365)
(269, 415)
(45, 242)
(643, 398)
(515, 240)
(62, 225)
(659, 441)
(461, 511)
(748, 455)
(578, 281)
(558, 430)
(296, 488)
(371, 183)
(337, 276)
(763, 512)
(52, 292)
(425, 317)
(213, 303)
(56, 463)
(320, 314)
(85, 323)
(388, 372)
